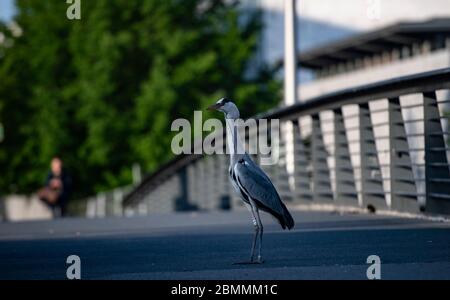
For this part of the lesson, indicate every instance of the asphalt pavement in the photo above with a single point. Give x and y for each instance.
(204, 245)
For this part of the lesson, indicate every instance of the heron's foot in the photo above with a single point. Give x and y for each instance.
(260, 260)
(252, 261)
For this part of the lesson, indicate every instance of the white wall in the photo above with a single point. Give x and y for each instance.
(431, 61)
(371, 14)
(322, 21)
(24, 208)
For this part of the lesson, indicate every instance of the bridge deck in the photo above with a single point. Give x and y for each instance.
(204, 246)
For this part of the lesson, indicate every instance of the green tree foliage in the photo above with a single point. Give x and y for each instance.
(102, 91)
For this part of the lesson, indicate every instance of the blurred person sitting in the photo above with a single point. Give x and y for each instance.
(57, 187)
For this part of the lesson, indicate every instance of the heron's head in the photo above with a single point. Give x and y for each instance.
(226, 106)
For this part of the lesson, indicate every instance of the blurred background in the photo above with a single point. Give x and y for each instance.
(100, 93)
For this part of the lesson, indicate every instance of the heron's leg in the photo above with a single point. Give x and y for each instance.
(258, 230)
(255, 236)
(252, 208)
(260, 233)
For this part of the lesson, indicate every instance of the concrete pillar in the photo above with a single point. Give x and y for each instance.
(437, 172)
(371, 180)
(322, 191)
(302, 185)
(282, 176)
(403, 186)
(345, 180)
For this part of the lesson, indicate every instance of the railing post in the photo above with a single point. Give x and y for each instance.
(345, 181)
(213, 166)
(91, 207)
(301, 175)
(117, 199)
(371, 180)
(101, 205)
(269, 169)
(157, 205)
(181, 202)
(192, 183)
(209, 182)
(142, 209)
(202, 183)
(152, 202)
(169, 191)
(160, 199)
(403, 187)
(282, 176)
(163, 200)
(224, 182)
(437, 172)
(150, 199)
(322, 191)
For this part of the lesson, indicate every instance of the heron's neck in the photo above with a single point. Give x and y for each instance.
(234, 142)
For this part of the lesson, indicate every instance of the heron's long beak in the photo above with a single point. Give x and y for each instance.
(214, 107)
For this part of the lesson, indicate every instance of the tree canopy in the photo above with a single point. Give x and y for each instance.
(102, 91)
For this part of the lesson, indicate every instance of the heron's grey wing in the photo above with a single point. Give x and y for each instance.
(255, 167)
(258, 186)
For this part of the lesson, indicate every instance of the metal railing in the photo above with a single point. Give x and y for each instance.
(378, 146)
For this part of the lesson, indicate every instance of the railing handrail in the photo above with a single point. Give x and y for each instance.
(409, 84)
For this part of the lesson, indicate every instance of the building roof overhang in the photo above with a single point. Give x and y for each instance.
(375, 42)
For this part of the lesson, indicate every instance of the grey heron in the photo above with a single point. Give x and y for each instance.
(250, 182)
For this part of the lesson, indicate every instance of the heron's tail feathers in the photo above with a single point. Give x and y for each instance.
(285, 218)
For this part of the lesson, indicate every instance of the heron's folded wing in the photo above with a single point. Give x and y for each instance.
(258, 186)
